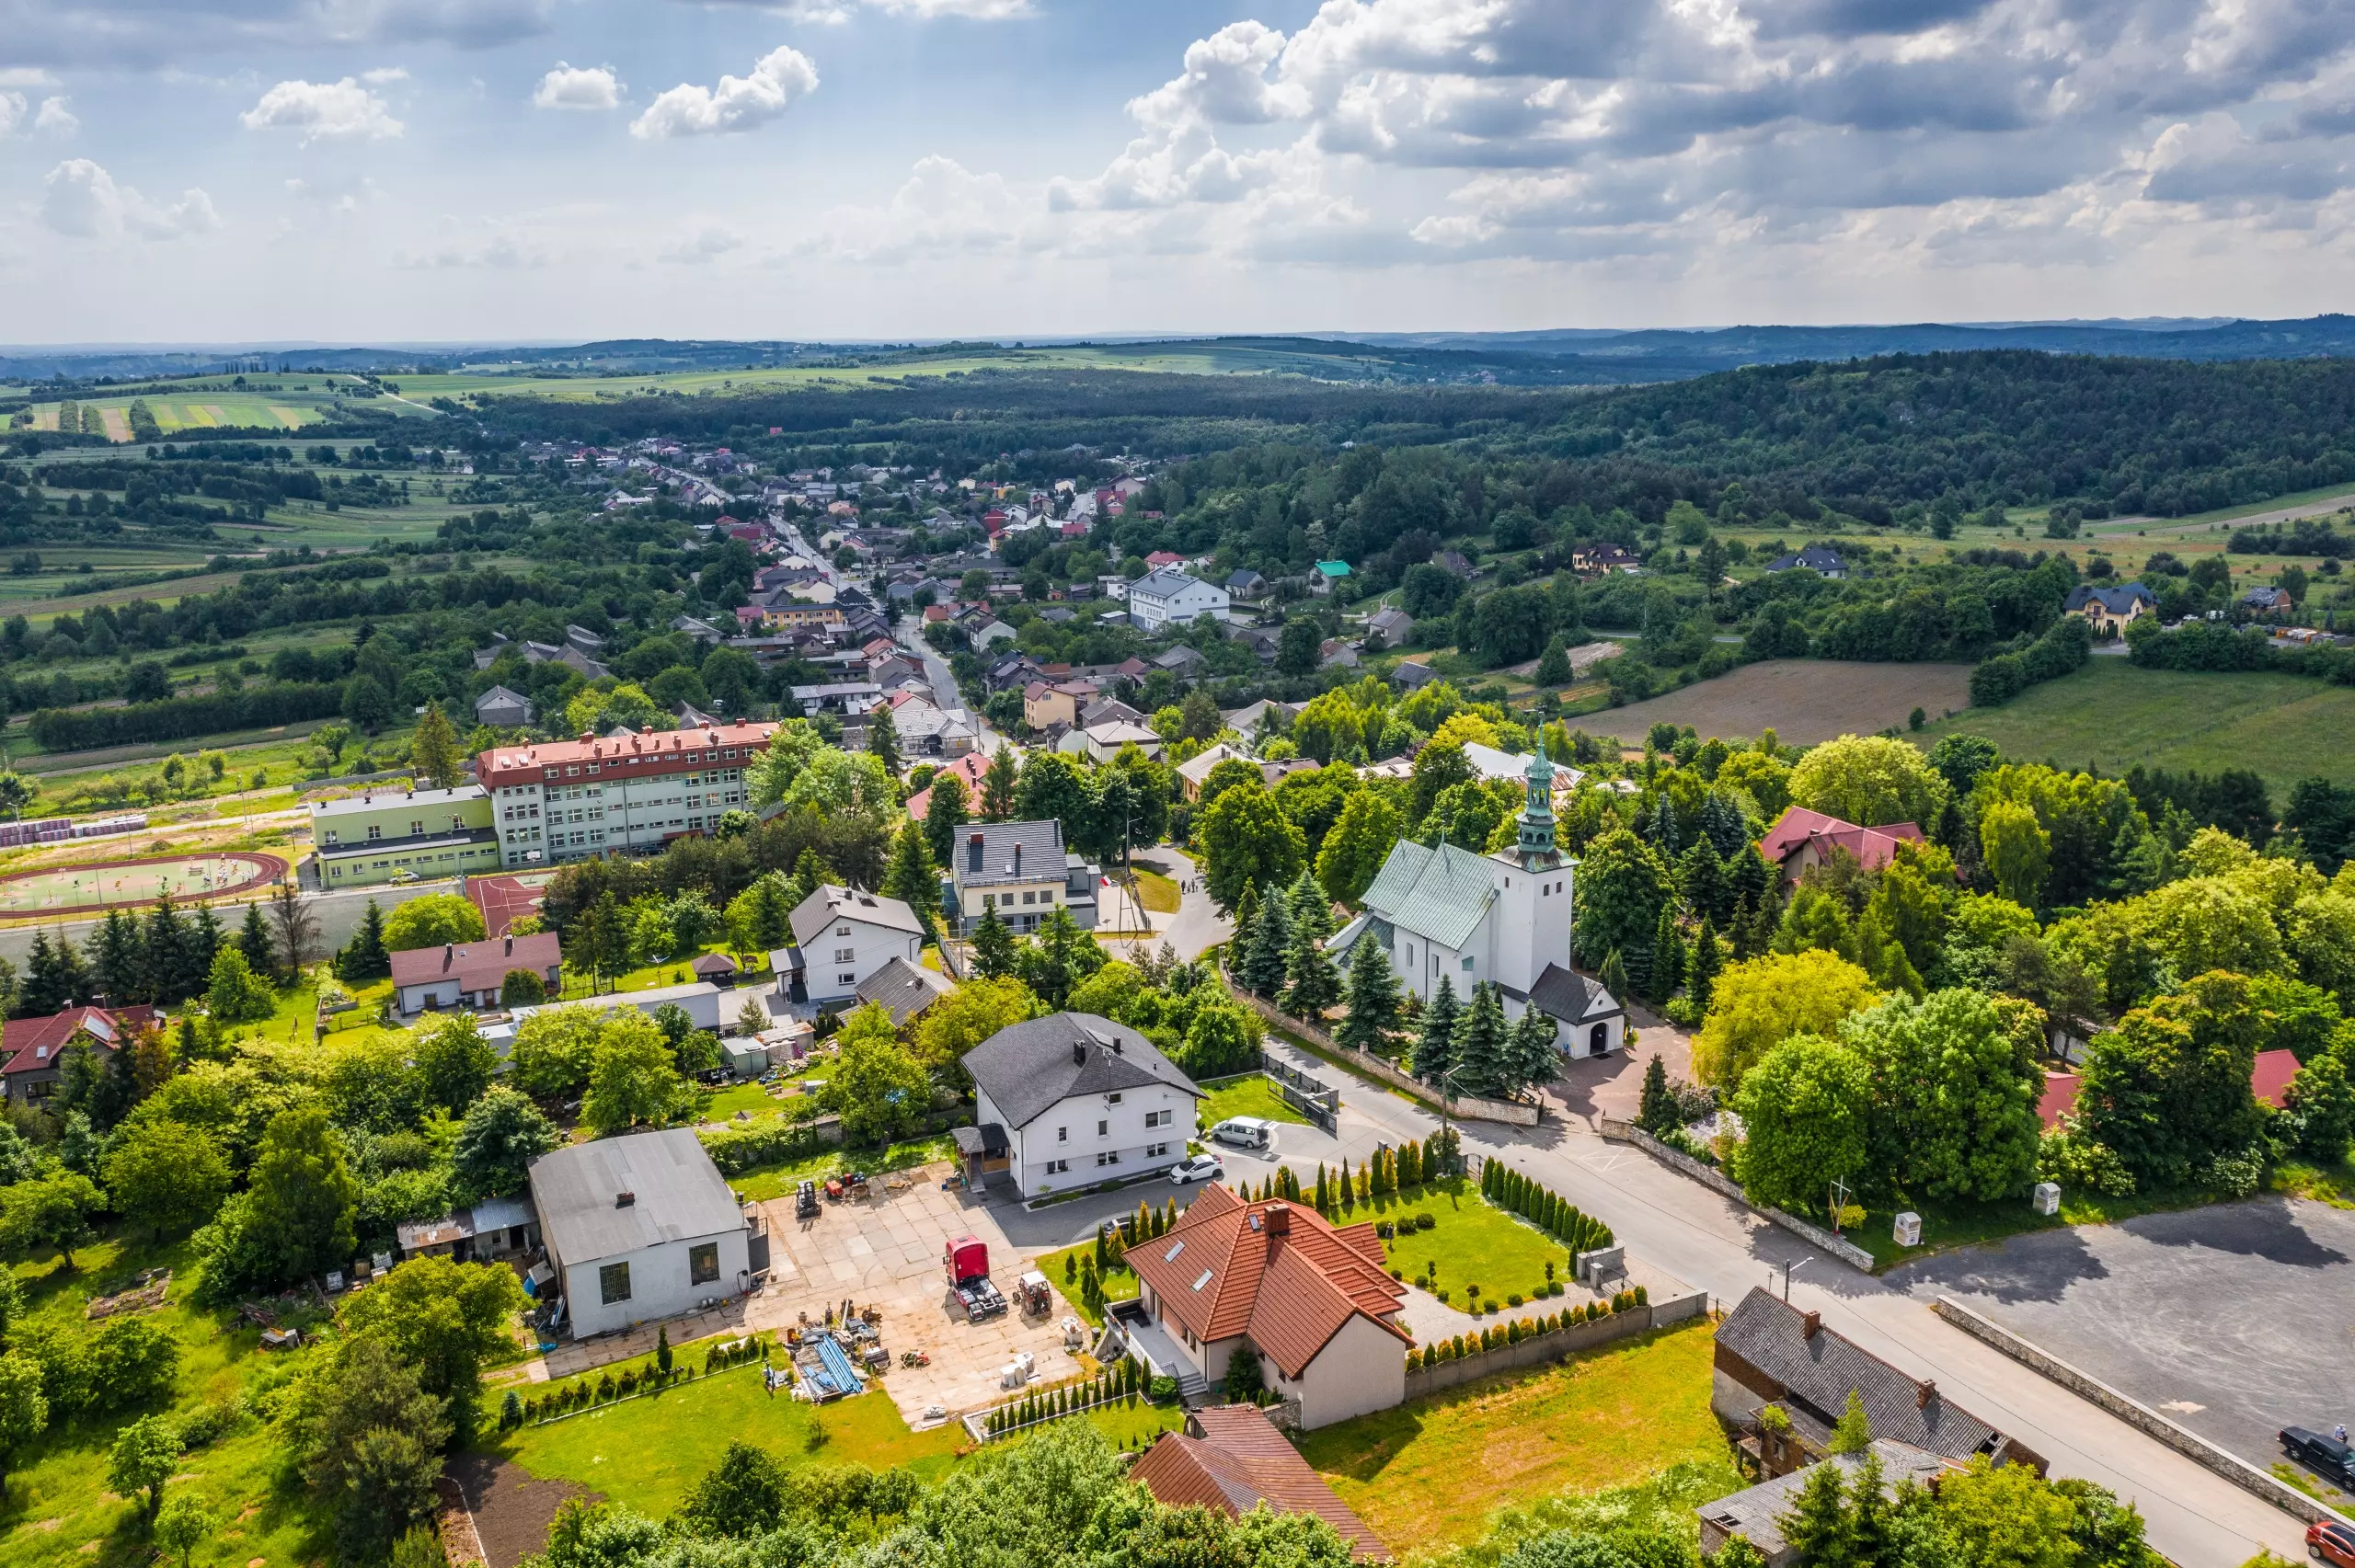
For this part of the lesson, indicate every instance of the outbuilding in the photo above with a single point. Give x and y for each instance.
(641, 1227)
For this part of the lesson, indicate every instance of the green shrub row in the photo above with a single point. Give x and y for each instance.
(1496, 1336)
(1546, 1210)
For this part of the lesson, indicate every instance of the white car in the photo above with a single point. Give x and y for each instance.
(1197, 1168)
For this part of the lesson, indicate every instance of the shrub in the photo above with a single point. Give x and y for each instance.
(1425, 1223)
(1643, 1298)
(1514, 1298)
(1162, 1390)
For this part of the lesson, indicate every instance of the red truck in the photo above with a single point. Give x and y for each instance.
(967, 1261)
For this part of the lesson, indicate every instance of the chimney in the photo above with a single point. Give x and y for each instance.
(1809, 1323)
(1078, 1054)
(625, 1200)
(511, 946)
(1925, 1394)
(1278, 1218)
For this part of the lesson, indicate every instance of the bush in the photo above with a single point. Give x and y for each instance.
(1513, 1299)
(1425, 1223)
(1162, 1390)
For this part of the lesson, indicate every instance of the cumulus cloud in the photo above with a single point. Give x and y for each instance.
(55, 118)
(334, 109)
(706, 244)
(835, 12)
(116, 33)
(499, 248)
(783, 78)
(12, 111)
(582, 87)
(338, 197)
(1179, 159)
(84, 201)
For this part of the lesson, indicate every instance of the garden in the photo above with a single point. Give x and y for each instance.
(1249, 1094)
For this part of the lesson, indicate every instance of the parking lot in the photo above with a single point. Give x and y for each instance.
(2236, 1319)
(885, 1252)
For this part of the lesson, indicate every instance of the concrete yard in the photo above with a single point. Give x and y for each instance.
(2234, 1320)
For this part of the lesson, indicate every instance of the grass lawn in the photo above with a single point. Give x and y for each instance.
(723, 1103)
(646, 1452)
(1158, 892)
(1427, 1475)
(2114, 714)
(1475, 1242)
(763, 1182)
(2335, 1186)
(1253, 1094)
(1120, 1285)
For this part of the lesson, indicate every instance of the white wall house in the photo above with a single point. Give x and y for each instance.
(1501, 920)
(846, 935)
(587, 799)
(1170, 595)
(1079, 1100)
(640, 1228)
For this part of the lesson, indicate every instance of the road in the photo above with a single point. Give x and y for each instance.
(2197, 1518)
(2321, 507)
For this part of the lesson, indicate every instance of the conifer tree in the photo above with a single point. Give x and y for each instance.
(883, 741)
(1308, 906)
(910, 879)
(117, 963)
(1613, 976)
(1373, 998)
(1656, 1113)
(810, 874)
(1535, 1058)
(432, 755)
(1667, 969)
(1701, 970)
(1483, 1069)
(255, 942)
(944, 812)
(1435, 1048)
(993, 953)
(998, 786)
(1267, 959)
(1311, 982)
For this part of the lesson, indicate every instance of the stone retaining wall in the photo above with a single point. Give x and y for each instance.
(1465, 1109)
(1554, 1346)
(1710, 1176)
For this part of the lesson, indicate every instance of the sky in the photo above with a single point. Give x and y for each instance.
(527, 170)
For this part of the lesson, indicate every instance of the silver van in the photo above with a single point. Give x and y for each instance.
(1244, 1132)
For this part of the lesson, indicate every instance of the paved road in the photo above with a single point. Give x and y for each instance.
(2196, 1519)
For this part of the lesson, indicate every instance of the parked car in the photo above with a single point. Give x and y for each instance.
(2325, 1455)
(1197, 1168)
(2331, 1543)
(1244, 1132)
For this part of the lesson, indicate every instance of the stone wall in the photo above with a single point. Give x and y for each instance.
(1465, 1109)
(1710, 1176)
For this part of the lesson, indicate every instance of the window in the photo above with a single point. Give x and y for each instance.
(846, 978)
(1062, 1134)
(1054, 1167)
(1156, 1119)
(1112, 1099)
(842, 930)
(612, 1283)
(703, 1264)
(846, 955)
(1467, 962)
(1157, 1151)
(374, 832)
(1110, 1157)
(417, 826)
(1102, 1128)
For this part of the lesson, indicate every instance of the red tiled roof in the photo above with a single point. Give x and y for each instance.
(1873, 847)
(478, 966)
(2269, 1077)
(639, 756)
(1239, 1462)
(1274, 1270)
(32, 1044)
(972, 768)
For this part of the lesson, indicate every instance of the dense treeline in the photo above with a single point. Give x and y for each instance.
(62, 729)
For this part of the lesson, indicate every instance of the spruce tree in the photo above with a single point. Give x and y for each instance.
(255, 942)
(1820, 1526)
(993, 953)
(1373, 998)
(944, 815)
(117, 959)
(910, 879)
(998, 787)
(1267, 959)
(204, 939)
(810, 874)
(433, 756)
(1435, 1048)
(364, 957)
(1483, 1067)
(1311, 982)
(1247, 924)
(1666, 971)
(883, 741)
(1533, 1055)
(1701, 971)
(1309, 908)
(1656, 1113)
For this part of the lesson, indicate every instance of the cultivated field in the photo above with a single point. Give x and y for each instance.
(2111, 714)
(1801, 700)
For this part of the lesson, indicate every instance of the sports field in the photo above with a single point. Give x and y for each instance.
(109, 883)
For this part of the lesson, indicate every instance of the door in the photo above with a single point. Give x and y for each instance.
(1598, 1039)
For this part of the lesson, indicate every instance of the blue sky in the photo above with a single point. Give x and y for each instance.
(348, 170)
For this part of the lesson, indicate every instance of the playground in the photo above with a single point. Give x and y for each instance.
(93, 886)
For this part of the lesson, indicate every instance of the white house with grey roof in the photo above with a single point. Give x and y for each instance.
(640, 1228)
(844, 935)
(1022, 872)
(1076, 1099)
(1501, 920)
(1170, 596)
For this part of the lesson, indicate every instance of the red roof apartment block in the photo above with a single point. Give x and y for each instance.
(1231, 1458)
(1801, 838)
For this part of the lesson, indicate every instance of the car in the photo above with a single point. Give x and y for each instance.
(398, 877)
(2325, 1456)
(1197, 1168)
(2331, 1543)
(1244, 1132)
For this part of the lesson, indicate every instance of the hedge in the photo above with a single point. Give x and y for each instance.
(1542, 1206)
(262, 708)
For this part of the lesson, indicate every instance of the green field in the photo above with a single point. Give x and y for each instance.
(2113, 715)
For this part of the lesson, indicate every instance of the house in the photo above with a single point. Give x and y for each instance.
(1801, 838)
(1756, 1513)
(903, 990)
(2268, 1081)
(1170, 597)
(1102, 742)
(1499, 766)
(1245, 586)
(376, 836)
(1263, 641)
(1769, 1352)
(1314, 1302)
(1501, 919)
(1109, 710)
(717, 968)
(988, 634)
(1601, 559)
(1327, 576)
(698, 999)
(1409, 676)
(1045, 704)
(2108, 610)
(1193, 773)
(1161, 558)
(927, 730)
(641, 1227)
(1333, 653)
(1019, 869)
(426, 980)
(1180, 661)
(846, 935)
(503, 709)
(1231, 1458)
(1078, 1099)
(1392, 625)
(970, 770)
(1816, 558)
(1456, 563)
(2268, 600)
(1275, 715)
(30, 1049)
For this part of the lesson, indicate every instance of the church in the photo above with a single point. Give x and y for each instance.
(1501, 919)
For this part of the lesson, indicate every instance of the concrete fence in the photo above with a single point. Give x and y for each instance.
(2200, 1452)
(1306, 1092)
(1710, 1176)
(1557, 1345)
(1463, 1109)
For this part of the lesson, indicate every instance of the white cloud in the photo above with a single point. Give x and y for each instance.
(323, 109)
(500, 250)
(26, 76)
(84, 201)
(835, 12)
(784, 76)
(1179, 159)
(338, 197)
(383, 74)
(12, 111)
(706, 244)
(584, 86)
(146, 33)
(55, 118)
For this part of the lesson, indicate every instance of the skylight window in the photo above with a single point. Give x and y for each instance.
(1171, 1256)
(1205, 1280)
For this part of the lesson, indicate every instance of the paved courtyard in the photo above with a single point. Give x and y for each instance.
(2236, 1319)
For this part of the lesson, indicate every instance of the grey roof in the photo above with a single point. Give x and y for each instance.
(499, 1213)
(828, 904)
(1755, 1514)
(1165, 583)
(1819, 1370)
(1438, 894)
(1026, 1068)
(1572, 997)
(499, 696)
(678, 1195)
(1410, 673)
(1180, 656)
(903, 990)
(1815, 558)
(1042, 844)
(2116, 601)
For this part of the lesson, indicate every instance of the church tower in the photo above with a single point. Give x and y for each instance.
(1536, 847)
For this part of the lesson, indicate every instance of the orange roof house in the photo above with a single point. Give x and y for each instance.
(1231, 1458)
(31, 1048)
(972, 767)
(1317, 1303)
